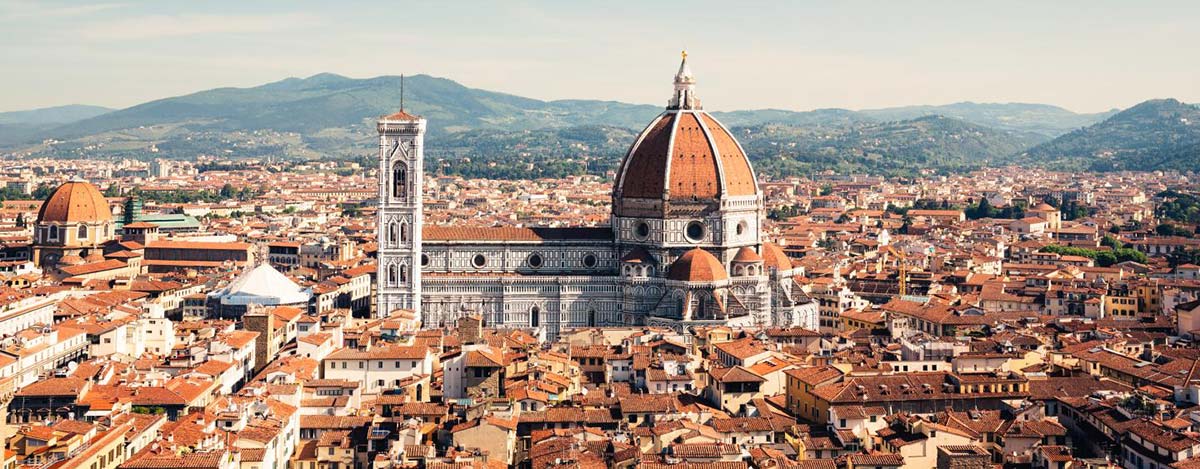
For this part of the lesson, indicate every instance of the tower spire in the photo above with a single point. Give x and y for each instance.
(685, 87)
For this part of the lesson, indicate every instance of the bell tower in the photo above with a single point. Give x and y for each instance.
(398, 223)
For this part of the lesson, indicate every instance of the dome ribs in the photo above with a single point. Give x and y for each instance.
(694, 172)
(646, 174)
(739, 178)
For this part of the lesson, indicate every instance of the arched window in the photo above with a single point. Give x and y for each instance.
(394, 232)
(53, 232)
(399, 181)
(403, 273)
(392, 274)
(534, 318)
(82, 232)
(404, 232)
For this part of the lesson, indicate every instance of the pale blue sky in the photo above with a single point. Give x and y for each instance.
(1082, 55)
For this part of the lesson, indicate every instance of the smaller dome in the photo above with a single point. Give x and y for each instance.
(95, 256)
(638, 255)
(774, 257)
(71, 259)
(747, 255)
(1043, 207)
(75, 201)
(697, 265)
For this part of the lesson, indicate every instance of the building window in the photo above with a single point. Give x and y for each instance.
(741, 228)
(478, 261)
(694, 232)
(399, 181)
(53, 232)
(642, 230)
(404, 232)
(83, 232)
(424, 260)
(535, 260)
(589, 261)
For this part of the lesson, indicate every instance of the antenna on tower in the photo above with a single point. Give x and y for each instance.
(401, 91)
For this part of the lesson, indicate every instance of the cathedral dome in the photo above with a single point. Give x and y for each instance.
(75, 201)
(746, 255)
(774, 257)
(697, 265)
(685, 154)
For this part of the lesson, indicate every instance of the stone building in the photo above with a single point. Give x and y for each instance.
(684, 248)
(73, 226)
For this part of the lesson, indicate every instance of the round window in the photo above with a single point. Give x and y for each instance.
(642, 230)
(741, 228)
(694, 232)
(535, 260)
(478, 261)
(589, 261)
(424, 260)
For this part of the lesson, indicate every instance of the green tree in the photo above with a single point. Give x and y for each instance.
(1167, 229)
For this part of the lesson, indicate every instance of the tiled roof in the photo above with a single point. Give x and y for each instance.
(697, 265)
(509, 233)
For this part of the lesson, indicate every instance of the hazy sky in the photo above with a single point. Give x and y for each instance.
(1083, 55)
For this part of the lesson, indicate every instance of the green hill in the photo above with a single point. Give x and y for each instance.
(486, 133)
(1160, 134)
(1049, 121)
(899, 147)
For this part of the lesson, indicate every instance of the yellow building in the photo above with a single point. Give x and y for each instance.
(801, 382)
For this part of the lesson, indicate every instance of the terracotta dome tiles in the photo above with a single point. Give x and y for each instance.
(645, 167)
(678, 156)
(693, 172)
(739, 179)
(75, 201)
(697, 265)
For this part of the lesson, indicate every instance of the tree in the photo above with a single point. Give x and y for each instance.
(227, 191)
(1111, 242)
(1167, 229)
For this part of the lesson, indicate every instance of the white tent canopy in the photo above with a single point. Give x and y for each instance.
(262, 285)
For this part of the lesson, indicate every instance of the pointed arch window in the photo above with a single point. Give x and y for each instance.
(403, 273)
(400, 181)
(53, 232)
(394, 232)
(404, 232)
(393, 272)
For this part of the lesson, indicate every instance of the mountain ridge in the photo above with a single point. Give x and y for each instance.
(1156, 134)
(332, 116)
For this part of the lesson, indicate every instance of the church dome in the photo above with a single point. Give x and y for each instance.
(697, 265)
(75, 201)
(747, 255)
(774, 257)
(685, 154)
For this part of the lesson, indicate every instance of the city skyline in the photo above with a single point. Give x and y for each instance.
(797, 57)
